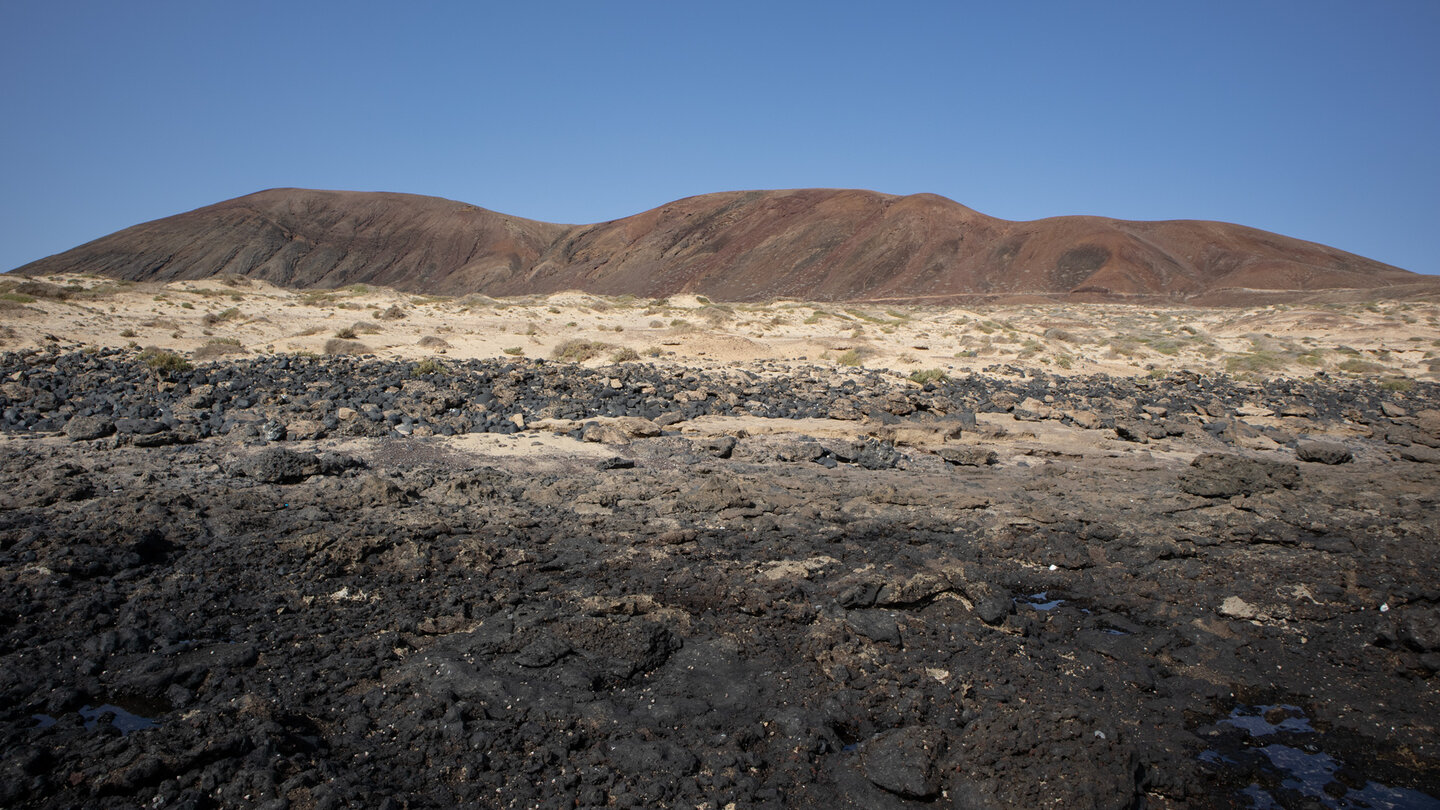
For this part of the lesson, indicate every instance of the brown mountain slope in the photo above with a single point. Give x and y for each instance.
(305, 238)
(816, 244)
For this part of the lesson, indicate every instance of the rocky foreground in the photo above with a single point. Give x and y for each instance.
(343, 582)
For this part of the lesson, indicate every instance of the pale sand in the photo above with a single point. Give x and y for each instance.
(1387, 340)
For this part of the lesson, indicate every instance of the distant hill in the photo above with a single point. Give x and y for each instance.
(814, 244)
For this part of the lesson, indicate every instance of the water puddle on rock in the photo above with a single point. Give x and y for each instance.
(123, 719)
(1042, 601)
(1281, 750)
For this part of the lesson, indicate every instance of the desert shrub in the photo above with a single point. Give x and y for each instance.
(218, 347)
(394, 312)
(432, 342)
(1355, 365)
(625, 355)
(929, 375)
(1255, 361)
(212, 318)
(1064, 360)
(657, 324)
(477, 301)
(346, 334)
(851, 357)
(717, 314)
(40, 289)
(1126, 347)
(654, 351)
(129, 333)
(429, 367)
(366, 328)
(514, 351)
(163, 361)
(1397, 384)
(17, 298)
(342, 346)
(578, 351)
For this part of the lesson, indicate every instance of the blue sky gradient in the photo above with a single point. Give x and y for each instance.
(1317, 119)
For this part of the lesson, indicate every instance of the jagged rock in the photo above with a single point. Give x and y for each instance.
(903, 761)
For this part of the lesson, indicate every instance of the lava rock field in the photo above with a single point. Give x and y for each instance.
(319, 583)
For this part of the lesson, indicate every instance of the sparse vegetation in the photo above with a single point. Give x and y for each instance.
(347, 333)
(1401, 384)
(429, 367)
(578, 351)
(514, 351)
(343, 346)
(432, 342)
(164, 361)
(625, 355)
(212, 318)
(1355, 365)
(1256, 361)
(218, 347)
(394, 312)
(929, 375)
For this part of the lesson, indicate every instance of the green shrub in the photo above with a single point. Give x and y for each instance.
(429, 366)
(929, 375)
(578, 351)
(164, 361)
(1355, 365)
(218, 347)
(1398, 384)
(212, 318)
(1255, 361)
(514, 351)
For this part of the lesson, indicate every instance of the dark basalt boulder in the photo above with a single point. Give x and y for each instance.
(1323, 452)
(1217, 475)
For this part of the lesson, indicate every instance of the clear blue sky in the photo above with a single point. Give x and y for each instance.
(1318, 119)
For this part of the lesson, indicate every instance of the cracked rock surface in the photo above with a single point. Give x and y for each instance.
(650, 600)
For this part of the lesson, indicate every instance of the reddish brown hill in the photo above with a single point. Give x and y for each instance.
(816, 244)
(305, 238)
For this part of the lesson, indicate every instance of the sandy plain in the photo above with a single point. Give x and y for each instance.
(1388, 340)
